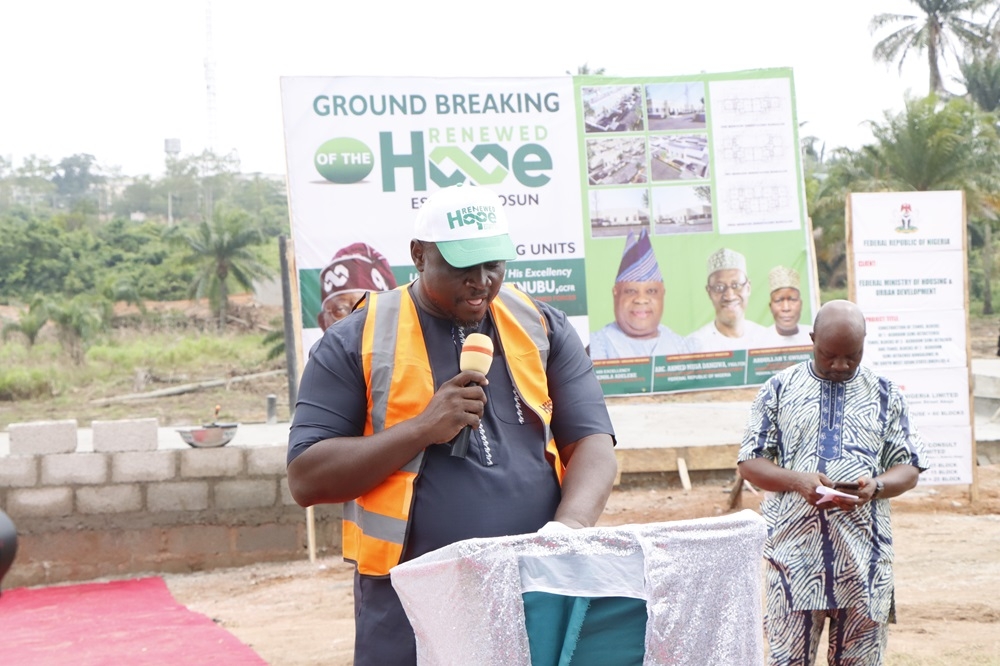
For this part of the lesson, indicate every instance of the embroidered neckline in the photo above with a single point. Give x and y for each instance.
(459, 333)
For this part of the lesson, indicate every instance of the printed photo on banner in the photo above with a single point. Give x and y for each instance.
(675, 106)
(682, 209)
(638, 295)
(721, 220)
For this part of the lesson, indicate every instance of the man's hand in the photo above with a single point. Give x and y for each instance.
(805, 483)
(863, 494)
(458, 403)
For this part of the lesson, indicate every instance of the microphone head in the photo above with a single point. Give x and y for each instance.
(477, 353)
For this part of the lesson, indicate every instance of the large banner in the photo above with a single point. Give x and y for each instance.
(698, 178)
(907, 273)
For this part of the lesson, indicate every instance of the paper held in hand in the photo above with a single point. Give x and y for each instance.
(829, 493)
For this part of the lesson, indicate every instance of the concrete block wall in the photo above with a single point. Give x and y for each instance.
(129, 506)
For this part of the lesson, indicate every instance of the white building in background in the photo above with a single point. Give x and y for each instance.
(615, 217)
(690, 215)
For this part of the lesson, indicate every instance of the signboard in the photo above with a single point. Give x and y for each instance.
(703, 170)
(363, 153)
(908, 275)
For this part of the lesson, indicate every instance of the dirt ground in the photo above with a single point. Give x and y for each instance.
(947, 580)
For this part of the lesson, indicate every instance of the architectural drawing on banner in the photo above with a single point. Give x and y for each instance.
(754, 148)
(682, 209)
(755, 159)
(673, 106)
(760, 198)
(616, 212)
(617, 161)
(750, 106)
(679, 157)
(612, 109)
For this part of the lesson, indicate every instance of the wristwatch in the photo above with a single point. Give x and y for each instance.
(879, 487)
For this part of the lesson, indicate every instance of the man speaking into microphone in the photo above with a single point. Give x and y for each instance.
(383, 396)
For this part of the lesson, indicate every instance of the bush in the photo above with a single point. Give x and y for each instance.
(24, 384)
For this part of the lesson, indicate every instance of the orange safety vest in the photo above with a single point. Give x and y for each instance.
(400, 385)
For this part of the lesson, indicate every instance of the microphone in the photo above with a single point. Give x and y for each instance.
(477, 354)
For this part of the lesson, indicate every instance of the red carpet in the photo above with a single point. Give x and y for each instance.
(128, 623)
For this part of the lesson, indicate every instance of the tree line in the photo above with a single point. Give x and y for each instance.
(947, 140)
(75, 238)
(74, 232)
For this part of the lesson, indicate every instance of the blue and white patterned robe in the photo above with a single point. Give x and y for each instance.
(820, 559)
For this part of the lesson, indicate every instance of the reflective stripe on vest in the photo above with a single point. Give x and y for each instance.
(400, 385)
(526, 349)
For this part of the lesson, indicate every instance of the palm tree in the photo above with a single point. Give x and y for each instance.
(981, 78)
(221, 249)
(29, 323)
(932, 146)
(942, 27)
(78, 320)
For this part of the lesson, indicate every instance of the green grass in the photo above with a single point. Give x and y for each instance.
(43, 383)
(172, 351)
(124, 353)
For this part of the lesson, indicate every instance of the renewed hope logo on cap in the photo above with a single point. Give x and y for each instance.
(481, 216)
(344, 160)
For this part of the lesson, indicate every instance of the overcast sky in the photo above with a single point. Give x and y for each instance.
(115, 78)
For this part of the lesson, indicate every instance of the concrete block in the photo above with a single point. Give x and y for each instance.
(985, 386)
(986, 405)
(990, 450)
(135, 466)
(286, 494)
(39, 502)
(177, 496)
(194, 540)
(40, 437)
(267, 461)
(245, 494)
(81, 554)
(276, 538)
(119, 498)
(68, 468)
(125, 435)
(203, 463)
(18, 471)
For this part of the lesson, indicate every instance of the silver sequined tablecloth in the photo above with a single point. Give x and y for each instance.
(701, 580)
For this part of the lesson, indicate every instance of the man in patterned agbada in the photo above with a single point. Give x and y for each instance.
(830, 423)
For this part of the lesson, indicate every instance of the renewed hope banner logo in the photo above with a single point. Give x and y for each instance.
(363, 154)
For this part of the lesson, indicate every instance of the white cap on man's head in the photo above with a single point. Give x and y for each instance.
(468, 224)
(726, 259)
(782, 277)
